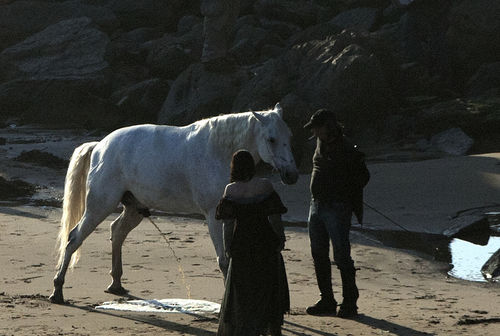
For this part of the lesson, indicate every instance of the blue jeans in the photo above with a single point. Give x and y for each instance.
(331, 221)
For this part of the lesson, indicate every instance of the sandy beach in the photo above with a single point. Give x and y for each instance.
(402, 292)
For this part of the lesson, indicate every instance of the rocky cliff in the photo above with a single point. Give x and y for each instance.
(397, 72)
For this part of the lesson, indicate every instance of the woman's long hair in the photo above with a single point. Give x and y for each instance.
(242, 166)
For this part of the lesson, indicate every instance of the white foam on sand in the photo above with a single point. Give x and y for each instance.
(186, 306)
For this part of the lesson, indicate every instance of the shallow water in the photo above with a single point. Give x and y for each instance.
(466, 255)
(468, 258)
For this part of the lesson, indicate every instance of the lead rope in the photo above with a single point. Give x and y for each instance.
(179, 265)
(386, 217)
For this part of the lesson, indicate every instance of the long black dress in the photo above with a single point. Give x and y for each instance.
(256, 296)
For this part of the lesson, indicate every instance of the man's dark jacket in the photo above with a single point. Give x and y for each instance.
(339, 174)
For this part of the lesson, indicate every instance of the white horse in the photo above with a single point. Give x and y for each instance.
(181, 169)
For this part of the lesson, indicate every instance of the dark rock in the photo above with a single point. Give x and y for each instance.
(422, 36)
(64, 102)
(453, 141)
(249, 41)
(198, 93)
(42, 159)
(170, 55)
(473, 228)
(486, 78)
(67, 85)
(131, 47)
(268, 84)
(141, 102)
(163, 14)
(283, 29)
(187, 23)
(302, 13)
(296, 114)
(72, 49)
(474, 34)
(21, 19)
(357, 19)
(477, 117)
(345, 74)
(13, 189)
(491, 269)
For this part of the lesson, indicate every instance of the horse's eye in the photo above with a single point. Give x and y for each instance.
(272, 140)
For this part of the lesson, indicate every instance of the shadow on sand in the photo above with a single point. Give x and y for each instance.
(382, 325)
(394, 328)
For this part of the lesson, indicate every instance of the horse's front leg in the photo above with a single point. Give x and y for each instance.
(215, 230)
(120, 228)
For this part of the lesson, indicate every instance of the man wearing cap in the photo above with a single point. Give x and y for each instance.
(337, 180)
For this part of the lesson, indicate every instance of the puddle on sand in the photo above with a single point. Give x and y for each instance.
(468, 258)
(466, 254)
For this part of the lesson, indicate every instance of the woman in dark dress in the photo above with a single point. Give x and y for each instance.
(256, 296)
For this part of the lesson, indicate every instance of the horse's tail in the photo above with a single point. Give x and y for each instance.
(74, 198)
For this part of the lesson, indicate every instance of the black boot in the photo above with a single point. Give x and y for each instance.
(324, 307)
(348, 308)
(327, 304)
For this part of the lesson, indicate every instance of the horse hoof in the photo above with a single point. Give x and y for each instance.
(117, 290)
(56, 298)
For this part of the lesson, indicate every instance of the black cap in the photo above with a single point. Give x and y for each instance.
(320, 118)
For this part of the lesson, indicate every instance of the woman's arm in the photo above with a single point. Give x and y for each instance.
(227, 235)
(277, 226)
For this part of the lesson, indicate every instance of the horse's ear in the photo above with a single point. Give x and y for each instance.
(259, 117)
(278, 109)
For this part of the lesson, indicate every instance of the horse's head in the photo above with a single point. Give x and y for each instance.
(273, 143)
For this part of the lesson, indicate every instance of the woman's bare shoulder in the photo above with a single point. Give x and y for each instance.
(229, 190)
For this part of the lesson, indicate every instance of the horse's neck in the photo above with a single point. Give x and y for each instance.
(225, 135)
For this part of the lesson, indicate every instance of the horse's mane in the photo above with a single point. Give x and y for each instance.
(228, 131)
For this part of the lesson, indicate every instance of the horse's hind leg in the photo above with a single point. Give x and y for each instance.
(120, 228)
(76, 237)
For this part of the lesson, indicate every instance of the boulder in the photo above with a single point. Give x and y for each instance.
(357, 18)
(163, 14)
(249, 41)
(336, 72)
(283, 29)
(71, 49)
(473, 33)
(132, 47)
(300, 12)
(491, 269)
(170, 55)
(344, 73)
(15, 189)
(21, 19)
(268, 84)
(67, 84)
(402, 3)
(452, 141)
(472, 228)
(141, 102)
(485, 79)
(198, 93)
(41, 158)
